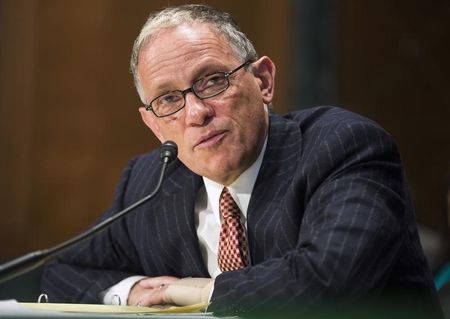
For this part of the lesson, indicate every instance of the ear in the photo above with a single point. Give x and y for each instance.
(150, 120)
(264, 69)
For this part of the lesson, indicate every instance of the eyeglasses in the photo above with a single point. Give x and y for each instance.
(211, 85)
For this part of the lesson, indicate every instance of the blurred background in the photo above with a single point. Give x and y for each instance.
(68, 108)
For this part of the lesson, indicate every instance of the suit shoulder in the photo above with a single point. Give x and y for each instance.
(144, 170)
(333, 119)
(143, 161)
(328, 116)
(143, 167)
(337, 130)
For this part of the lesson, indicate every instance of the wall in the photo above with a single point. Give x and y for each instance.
(393, 66)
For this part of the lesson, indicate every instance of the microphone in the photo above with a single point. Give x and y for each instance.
(168, 152)
(25, 263)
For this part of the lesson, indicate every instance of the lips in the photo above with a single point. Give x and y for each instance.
(210, 139)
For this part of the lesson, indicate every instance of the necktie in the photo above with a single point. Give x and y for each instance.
(233, 242)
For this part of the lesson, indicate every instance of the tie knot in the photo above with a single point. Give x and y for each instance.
(228, 207)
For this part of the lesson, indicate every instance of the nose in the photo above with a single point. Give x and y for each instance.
(197, 112)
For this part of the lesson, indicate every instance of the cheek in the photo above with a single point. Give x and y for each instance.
(186, 154)
(170, 130)
(251, 116)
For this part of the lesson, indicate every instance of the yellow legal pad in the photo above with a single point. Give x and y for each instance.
(68, 307)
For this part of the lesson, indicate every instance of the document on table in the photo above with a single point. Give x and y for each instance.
(12, 306)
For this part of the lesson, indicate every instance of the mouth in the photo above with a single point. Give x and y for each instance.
(210, 139)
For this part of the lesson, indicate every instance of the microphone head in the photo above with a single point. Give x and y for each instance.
(168, 151)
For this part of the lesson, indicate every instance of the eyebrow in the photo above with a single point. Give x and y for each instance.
(207, 69)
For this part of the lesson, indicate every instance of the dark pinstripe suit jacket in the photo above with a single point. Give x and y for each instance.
(330, 216)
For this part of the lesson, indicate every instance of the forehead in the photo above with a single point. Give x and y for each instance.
(184, 37)
(180, 53)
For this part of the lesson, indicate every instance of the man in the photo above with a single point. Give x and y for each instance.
(260, 210)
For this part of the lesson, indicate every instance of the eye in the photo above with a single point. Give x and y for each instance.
(169, 99)
(210, 82)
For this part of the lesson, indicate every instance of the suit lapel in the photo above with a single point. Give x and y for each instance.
(277, 170)
(178, 200)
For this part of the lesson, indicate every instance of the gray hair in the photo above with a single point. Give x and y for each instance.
(222, 22)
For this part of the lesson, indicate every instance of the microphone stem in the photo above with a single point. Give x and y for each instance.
(20, 265)
(105, 223)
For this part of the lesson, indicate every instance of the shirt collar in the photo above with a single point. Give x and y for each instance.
(241, 189)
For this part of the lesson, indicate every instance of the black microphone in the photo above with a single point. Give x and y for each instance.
(25, 263)
(168, 152)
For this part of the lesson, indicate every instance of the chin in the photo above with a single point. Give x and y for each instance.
(218, 171)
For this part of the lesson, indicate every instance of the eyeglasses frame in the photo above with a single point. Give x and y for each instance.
(191, 89)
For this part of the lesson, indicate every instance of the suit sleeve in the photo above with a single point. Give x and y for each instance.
(81, 273)
(354, 213)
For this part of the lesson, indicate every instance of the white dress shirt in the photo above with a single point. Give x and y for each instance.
(208, 224)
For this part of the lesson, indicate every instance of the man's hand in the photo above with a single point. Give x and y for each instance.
(170, 290)
(189, 291)
(149, 291)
